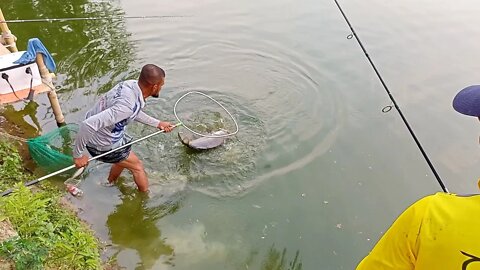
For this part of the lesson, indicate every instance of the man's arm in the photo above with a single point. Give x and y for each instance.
(147, 119)
(397, 249)
(151, 121)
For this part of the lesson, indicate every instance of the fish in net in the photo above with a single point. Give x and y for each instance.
(206, 128)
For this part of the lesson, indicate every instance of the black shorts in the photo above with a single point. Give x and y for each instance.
(113, 157)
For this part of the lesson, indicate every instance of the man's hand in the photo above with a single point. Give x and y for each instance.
(167, 126)
(81, 161)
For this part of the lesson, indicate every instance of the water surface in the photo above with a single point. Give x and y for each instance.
(317, 172)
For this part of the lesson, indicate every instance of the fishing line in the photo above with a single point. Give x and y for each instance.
(90, 18)
(387, 108)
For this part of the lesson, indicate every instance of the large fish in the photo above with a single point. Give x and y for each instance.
(202, 143)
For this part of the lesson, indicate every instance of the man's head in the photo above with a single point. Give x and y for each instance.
(151, 80)
(467, 101)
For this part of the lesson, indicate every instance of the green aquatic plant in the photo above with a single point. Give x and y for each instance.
(49, 236)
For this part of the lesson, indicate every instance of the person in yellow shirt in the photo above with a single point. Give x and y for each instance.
(440, 231)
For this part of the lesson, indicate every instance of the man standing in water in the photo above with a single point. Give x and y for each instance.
(440, 231)
(104, 126)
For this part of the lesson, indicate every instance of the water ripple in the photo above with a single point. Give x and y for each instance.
(285, 108)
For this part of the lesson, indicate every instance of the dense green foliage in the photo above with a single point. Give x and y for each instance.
(11, 169)
(26, 253)
(48, 235)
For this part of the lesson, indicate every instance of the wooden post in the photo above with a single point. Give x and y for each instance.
(52, 95)
(7, 34)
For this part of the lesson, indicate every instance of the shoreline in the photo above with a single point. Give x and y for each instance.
(57, 198)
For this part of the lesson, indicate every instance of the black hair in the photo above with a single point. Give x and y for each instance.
(151, 74)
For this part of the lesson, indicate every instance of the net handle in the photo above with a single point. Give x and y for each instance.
(199, 134)
(33, 182)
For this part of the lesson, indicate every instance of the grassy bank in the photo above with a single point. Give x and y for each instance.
(49, 236)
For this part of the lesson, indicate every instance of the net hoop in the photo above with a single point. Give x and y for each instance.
(199, 134)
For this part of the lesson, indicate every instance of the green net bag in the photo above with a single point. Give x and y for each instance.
(53, 151)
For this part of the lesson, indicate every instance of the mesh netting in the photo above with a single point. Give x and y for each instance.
(212, 116)
(53, 151)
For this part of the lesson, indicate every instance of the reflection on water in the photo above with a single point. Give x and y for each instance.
(276, 260)
(132, 226)
(24, 121)
(21, 120)
(91, 55)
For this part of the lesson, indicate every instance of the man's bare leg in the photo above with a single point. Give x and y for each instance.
(115, 172)
(134, 165)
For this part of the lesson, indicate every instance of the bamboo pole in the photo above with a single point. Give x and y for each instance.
(7, 34)
(52, 94)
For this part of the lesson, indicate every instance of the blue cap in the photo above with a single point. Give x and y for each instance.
(467, 101)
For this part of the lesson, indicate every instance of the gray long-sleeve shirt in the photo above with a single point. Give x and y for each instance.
(104, 126)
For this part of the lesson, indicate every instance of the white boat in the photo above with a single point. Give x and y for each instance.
(17, 80)
(23, 81)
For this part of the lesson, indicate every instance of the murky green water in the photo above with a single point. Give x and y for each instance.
(317, 171)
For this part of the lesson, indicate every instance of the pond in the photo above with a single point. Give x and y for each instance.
(317, 171)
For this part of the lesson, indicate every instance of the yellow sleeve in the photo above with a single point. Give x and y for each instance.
(397, 249)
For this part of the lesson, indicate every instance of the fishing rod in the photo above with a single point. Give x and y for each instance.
(91, 18)
(33, 182)
(404, 119)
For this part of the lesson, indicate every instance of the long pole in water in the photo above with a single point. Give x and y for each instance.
(33, 182)
(89, 18)
(412, 133)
